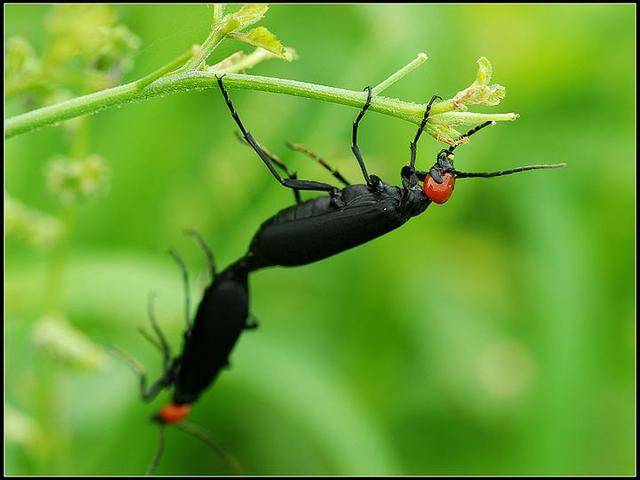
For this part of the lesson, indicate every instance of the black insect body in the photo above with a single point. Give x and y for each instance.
(222, 315)
(329, 224)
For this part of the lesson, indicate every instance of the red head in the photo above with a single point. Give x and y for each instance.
(173, 413)
(440, 180)
(439, 192)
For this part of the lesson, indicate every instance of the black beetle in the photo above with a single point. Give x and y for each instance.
(315, 229)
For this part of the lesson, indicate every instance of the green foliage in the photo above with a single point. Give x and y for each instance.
(247, 15)
(240, 61)
(263, 38)
(21, 429)
(73, 180)
(21, 59)
(29, 225)
(64, 343)
(86, 50)
(480, 92)
(92, 34)
(190, 70)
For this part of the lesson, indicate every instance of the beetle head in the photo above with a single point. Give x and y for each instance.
(172, 413)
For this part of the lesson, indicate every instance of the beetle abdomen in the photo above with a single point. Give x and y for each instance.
(317, 229)
(222, 316)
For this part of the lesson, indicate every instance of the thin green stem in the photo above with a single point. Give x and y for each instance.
(218, 13)
(207, 47)
(201, 79)
(168, 68)
(400, 74)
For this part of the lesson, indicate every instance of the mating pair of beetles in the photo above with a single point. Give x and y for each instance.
(303, 233)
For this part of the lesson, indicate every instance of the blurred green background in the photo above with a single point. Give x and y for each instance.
(493, 335)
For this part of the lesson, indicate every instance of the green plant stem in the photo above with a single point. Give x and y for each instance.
(200, 79)
(169, 67)
(202, 53)
(400, 74)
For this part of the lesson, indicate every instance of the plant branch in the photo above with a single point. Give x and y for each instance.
(169, 67)
(400, 74)
(200, 79)
(190, 71)
(207, 47)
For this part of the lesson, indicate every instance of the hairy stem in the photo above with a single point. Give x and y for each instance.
(202, 79)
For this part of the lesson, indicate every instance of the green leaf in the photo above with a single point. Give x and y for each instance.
(485, 70)
(247, 15)
(250, 13)
(263, 38)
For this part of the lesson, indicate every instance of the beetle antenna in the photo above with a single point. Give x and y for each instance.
(206, 438)
(159, 449)
(499, 173)
(469, 133)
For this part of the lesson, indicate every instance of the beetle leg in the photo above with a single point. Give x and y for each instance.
(150, 393)
(314, 156)
(279, 163)
(421, 128)
(376, 183)
(287, 182)
(354, 137)
(296, 193)
(162, 340)
(205, 248)
(154, 389)
(185, 278)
